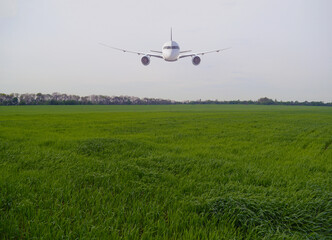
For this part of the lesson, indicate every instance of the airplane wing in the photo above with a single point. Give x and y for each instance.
(138, 53)
(202, 53)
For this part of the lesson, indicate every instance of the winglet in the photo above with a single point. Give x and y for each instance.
(171, 34)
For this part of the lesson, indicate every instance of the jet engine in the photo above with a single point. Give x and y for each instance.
(196, 60)
(145, 60)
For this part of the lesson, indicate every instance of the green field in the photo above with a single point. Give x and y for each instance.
(165, 172)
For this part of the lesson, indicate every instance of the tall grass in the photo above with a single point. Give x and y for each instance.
(165, 172)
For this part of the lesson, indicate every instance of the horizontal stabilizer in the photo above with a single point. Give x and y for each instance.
(202, 53)
(185, 51)
(128, 51)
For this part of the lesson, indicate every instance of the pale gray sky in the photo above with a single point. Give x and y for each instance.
(281, 49)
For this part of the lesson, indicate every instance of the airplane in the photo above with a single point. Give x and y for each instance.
(170, 52)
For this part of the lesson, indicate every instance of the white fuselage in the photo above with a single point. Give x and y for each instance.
(171, 51)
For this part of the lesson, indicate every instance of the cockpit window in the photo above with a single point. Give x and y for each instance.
(171, 47)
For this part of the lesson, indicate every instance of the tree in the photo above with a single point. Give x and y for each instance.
(265, 101)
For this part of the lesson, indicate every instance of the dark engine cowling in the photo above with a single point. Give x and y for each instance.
(145, 60)
(196, 60)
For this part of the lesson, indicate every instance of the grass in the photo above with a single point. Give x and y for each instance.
(165, 172)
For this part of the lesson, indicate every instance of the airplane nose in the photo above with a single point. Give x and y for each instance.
(166, 54)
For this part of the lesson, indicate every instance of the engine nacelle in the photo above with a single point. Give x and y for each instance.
(145, 60)
(196, 60)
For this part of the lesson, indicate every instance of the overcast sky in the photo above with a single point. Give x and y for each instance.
(281, 49)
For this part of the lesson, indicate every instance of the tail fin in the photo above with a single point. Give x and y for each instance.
(171, 34)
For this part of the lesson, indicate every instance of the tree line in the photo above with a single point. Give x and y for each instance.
(65, 99)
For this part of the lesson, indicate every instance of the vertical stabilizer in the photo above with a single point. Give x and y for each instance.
(171, 35)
